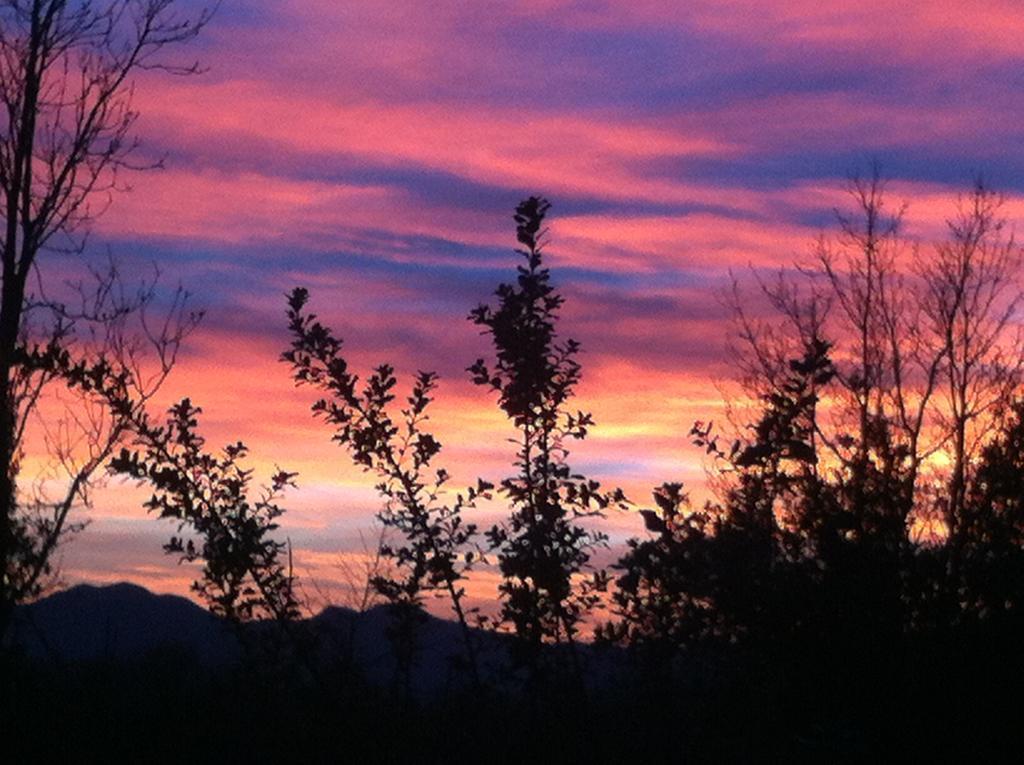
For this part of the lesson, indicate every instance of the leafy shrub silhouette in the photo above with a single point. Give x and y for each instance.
(244, 573)
(542, 548)
(727, 573)
(991, 536)
(437, 544)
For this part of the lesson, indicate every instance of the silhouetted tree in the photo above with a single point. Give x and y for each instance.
(808, 574)
(246, 573)
(730, 573)
(991, 526)
(542, 549)
(855, 294)
(436, 547)
(973, 294)
(66, 121)
(925, 349)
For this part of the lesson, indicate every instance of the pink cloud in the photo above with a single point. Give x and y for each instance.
(552, 151)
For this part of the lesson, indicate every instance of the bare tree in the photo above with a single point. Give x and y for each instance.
(853, 293)
(924, 348)
(890, 364)
(972, 298)
(67, 71)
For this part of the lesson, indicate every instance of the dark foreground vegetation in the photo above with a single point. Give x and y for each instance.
(176, 689)
(852, 590)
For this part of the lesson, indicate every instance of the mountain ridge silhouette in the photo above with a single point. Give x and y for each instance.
(126, 624)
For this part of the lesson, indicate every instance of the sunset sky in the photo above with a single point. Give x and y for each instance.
(374, 152)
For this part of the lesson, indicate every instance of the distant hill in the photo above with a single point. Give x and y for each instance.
(125, 623)
(120, 623)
